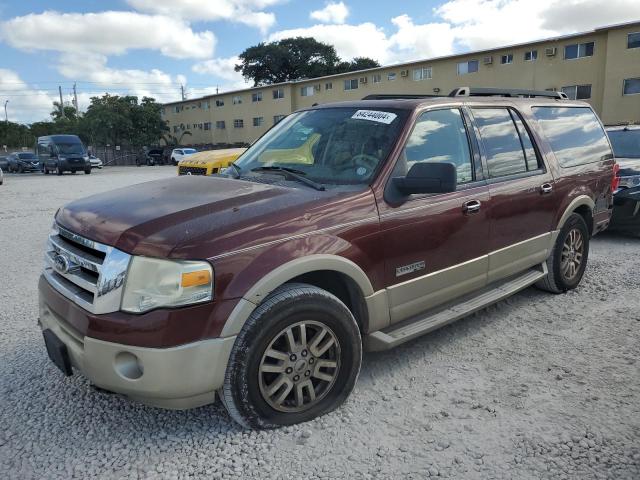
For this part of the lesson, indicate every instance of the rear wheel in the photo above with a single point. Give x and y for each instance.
(59, 171)
(297, 357)
(568, 260)
(45, 170)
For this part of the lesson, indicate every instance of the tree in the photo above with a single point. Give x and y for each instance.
(292, 59)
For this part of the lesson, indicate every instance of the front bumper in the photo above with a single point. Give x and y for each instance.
(180, 377)
(626, 211)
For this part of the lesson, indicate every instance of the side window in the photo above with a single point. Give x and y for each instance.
(574, 133)
(501, 141)
(440, 136)
(533, 162)
(43, 151)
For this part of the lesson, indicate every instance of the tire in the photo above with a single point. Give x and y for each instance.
(173, 161)
(59, 171)
(45, 170)
(558, 280)
(288, 307)
(87, 171)
(20, 169)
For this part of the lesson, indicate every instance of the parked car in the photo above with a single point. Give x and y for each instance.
(95, 162)
(625, 141)
(63, 153)
(153, 156)
(266, 283)
(179, 153)
(4, 163)
(208, 162)
(23, 162)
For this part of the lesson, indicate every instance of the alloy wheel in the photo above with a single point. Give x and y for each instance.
(572, 254)
(299, 367)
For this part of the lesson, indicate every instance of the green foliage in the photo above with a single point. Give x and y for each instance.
(294, 58)
(109, 119)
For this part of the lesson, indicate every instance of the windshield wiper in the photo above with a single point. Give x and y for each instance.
(236, 168)
(291, 173)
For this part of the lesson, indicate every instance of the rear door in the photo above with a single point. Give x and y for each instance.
(436, 244)
(522, 190)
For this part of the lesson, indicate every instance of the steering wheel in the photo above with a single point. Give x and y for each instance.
(364, 160)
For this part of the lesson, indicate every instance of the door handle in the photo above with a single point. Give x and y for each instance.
(546, 188)
(470, 207)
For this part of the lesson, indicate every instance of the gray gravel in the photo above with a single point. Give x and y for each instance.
(538, 386)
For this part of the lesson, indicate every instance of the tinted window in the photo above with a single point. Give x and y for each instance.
(440, 136)
(631, 86)
(574, 133)
(26, 156)
(633, 40)
(501, 142)
(625, 143)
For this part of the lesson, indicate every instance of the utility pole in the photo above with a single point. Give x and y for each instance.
(6, 118)
(61, 104)
(75, 98)
(182, 92)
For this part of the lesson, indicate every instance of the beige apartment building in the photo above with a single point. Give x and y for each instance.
(601, 67)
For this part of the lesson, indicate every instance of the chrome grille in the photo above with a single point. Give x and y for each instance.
(192, 171)
(88, 273)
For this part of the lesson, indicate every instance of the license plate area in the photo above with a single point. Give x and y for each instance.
(57, 352)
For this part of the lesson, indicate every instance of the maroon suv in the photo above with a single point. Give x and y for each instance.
(347, 225)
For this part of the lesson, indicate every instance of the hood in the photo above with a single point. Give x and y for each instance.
(192, 216)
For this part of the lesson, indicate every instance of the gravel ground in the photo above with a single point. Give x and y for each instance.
(538, 386)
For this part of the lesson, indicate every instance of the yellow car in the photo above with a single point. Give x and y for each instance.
(208, 162)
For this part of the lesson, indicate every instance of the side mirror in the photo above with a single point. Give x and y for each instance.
(428, 177)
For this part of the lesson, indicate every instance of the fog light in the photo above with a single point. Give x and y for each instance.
(128, 366)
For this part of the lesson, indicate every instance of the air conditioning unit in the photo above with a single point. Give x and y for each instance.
(487, 60)
(551, 51)
(404, 73)
(363, 79)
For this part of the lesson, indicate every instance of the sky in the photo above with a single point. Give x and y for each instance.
(153, 47)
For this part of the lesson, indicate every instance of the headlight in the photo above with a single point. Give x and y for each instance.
(153, 283)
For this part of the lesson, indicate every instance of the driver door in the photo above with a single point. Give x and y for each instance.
(437, 244)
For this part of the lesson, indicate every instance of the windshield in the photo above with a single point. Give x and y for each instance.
(330, 145)
(625, 143)
(26, 156)
(70, 148)
(188, 151)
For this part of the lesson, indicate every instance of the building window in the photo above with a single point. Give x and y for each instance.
(176, 109)
(577, 92)
(328, 86)
(207, 125)
(377, 78)
(351, 84)
(470, 66)
(237, 100)
(277, 118)
(633, 40)
(278, 93)
(531, 56)
(206, 105)
(578, 50)
(423, 73)
(256, 97)
(506, 59)
(307, 91)
(238, 123)
(631, 86)
(219, 103)
(391, 77)
(258, 121)
(220, 125)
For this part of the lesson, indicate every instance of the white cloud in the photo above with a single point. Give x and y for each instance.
(26, 104)
(413, 41)
(331, 13)
(248, 12)
(363, 40)
(221, 68)
(107, 33)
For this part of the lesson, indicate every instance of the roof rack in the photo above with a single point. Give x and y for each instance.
(506, 92)
(397, 96)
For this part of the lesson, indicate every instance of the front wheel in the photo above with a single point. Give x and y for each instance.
(58, 170)
(297, 357)
(87, 171)
(568, 260)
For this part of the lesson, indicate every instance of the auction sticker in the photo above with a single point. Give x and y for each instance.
(375, 116)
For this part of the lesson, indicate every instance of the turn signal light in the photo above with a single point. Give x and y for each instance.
(615, 181)
(195, 279)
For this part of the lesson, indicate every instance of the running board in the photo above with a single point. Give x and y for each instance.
(436, 318)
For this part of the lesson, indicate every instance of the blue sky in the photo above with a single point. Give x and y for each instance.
(151, 47)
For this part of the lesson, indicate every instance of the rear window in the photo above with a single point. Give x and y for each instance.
(574, 133)
(625, 142)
